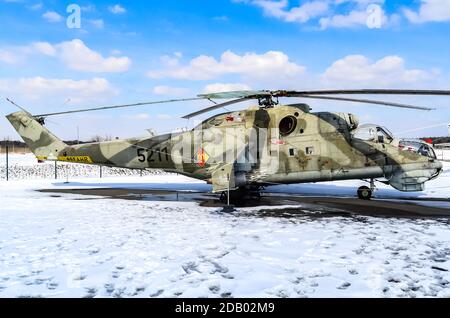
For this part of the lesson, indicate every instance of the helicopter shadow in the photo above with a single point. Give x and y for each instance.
(197, 187)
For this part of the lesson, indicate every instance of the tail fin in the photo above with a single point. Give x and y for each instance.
(39, 139)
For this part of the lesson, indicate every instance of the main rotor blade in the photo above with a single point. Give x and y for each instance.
(367, 101)
(364, 92)
(236, 94)
(214, 107)
(119, 106)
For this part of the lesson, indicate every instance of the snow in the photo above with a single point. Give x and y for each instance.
(25, 166)
(88, 246)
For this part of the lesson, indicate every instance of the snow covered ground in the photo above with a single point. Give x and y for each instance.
(25, 166)
(85, 246)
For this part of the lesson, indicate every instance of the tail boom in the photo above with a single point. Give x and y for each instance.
(44, 144)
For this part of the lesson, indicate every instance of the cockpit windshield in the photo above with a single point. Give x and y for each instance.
(374, 133)
(418, 146)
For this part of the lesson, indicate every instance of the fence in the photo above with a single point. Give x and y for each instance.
(15, 166)
(443, 154)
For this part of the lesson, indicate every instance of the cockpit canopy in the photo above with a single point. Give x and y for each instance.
(418, 146)
(370, 132)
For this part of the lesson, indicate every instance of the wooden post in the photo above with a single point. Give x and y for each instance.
(56, 169)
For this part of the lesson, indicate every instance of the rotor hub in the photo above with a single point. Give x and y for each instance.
(268, 101)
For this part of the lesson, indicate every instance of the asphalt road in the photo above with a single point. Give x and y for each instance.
(322, 206)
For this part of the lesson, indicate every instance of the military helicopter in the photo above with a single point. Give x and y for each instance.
(241, 152)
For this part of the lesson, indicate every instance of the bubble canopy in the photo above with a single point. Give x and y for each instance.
(372, 132)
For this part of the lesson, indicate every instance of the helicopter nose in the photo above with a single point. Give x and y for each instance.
(437, 165)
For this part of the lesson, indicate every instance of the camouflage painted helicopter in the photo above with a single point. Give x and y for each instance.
(266, 144)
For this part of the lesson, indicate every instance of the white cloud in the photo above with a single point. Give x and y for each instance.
(329, 13)
(8, 57)
(347, 13)
(170, 61)
(98, 23)
(36, 88)
(35, 7)
(430, 11)
(168, 90)
(358, 70)
(360, 3)
(353, 19)
(117, 9)
(301, 14)
(88, 8)
(249, 65)
(52, 16)
(164, 117)
(77, 56)
(44, 48)
(221, 87)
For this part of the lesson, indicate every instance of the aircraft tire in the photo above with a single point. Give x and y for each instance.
(364, 193)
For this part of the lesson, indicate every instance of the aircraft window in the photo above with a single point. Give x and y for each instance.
(309, 150)
(432, 154)
(418, 147)
(374, 133)
(292, 152)
(388, 132)
(383, 136)
(287, 125)
(427, 151)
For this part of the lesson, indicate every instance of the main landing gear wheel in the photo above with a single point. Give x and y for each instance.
(364, 193)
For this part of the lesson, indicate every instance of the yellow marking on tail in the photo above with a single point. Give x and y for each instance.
(76, 159)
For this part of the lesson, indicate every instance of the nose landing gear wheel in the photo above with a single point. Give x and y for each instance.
(364, 193)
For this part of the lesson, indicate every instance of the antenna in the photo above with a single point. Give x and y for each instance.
(20, 107)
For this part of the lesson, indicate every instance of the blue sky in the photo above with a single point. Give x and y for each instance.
(132, 51)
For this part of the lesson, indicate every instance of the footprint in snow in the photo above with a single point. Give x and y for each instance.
(344, 286)
(190, 267)
(52, 285)
(93, 251)
(109, 287)
(158, 293)
(214, 289)
(91, 292)
(353, 271)
(314, 284)
(218, 268)
(115, 274)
